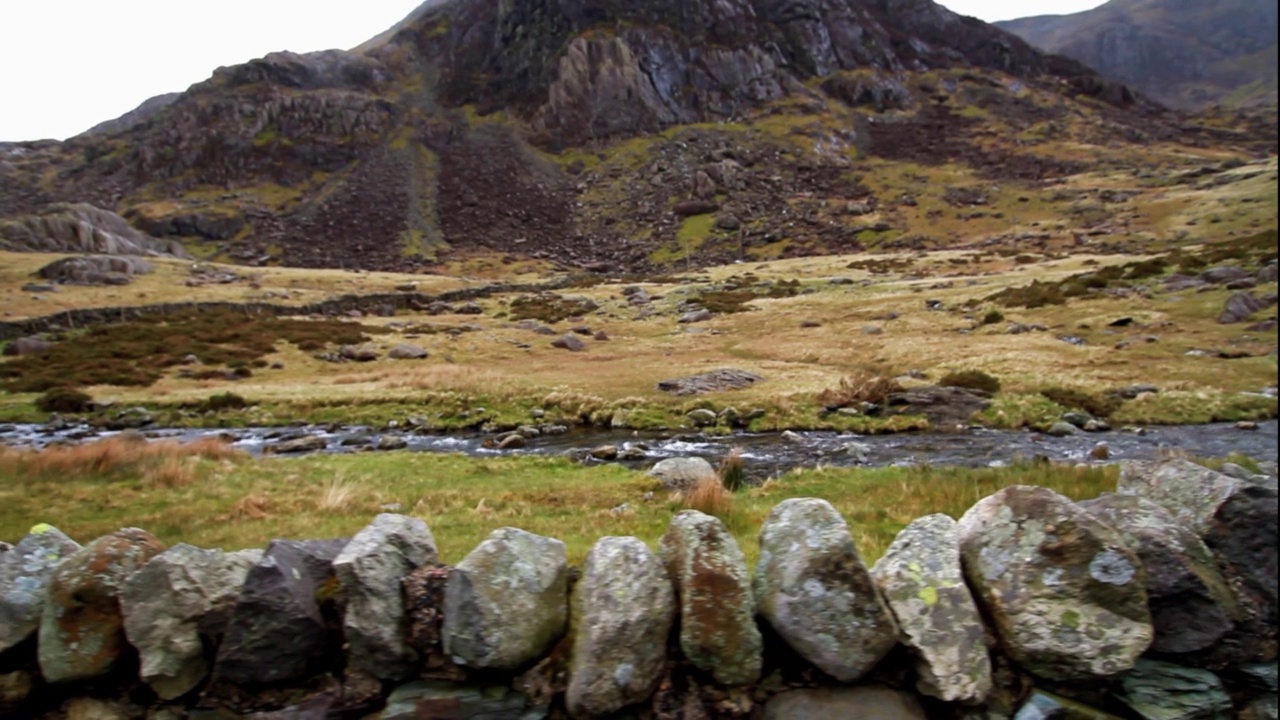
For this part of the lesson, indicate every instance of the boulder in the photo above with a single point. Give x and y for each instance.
(569, 342)
(1240, 306)
(25, 572)
(1237, 520)
(507, 602)
(921, 579)
(814, 590)
(718, 631)
(175, 603)
(278, 630)
(81, 628)
(1224, 274)
(308, 443)
(868, 702)
(1062, 590)
(446, 701)
(370, 569)
(702, 417)
(623, 610)
(1162, 691)
(407, 352)
(1192, 607)
(358, 353)
(695, 316)
(682, 473)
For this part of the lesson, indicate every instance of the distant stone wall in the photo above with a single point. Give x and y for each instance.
(1155, 602)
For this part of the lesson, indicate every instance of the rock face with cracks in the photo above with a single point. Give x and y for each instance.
(370, 568)
(81, 629)
(623, 610)
(1063, 591)
(922, 580)
(718, 630)
(507, 602)
(178, 599)
(813, 588)
(25, 571)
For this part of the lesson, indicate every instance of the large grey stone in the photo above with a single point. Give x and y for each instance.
(814, 590)
(278, 631)
(922, 580)
(507, 602)
(25, 571)
(623, 610)
(682, 473)
(370, 569)
(1163, 691)
(718, 631)
(436, 700)
(1063, 591)
(179, 598)
(81, 629)
(869, 702)
(1191, 606)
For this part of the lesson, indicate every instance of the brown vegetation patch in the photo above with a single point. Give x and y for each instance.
(163, 463)
(550, 307)
(858, 388)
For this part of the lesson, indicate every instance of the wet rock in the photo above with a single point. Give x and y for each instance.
(1062, 590)
(514, 441)
(278, 630)
(308, 443)
(624, 607)
(718, 630)
(81, 629)
(407, 352)
(1191, 606)
(1062, 429)
(869, 702)
(370, 569)
(682, 473)
(814, 590)
(172, 604)
(1162, 691)
(446, 700)
(387, 443)
(605, 452)
(507, 602)
(569, 342)
(25, 572)
(923, 583)
(715, 381)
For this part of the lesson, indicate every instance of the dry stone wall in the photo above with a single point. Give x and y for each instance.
(1157, 602)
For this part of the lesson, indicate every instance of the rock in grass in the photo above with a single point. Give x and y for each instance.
(718, 630)
(623, 609)
(682, 473)
(869, 702)
(25, 571)
(81, 628)
(179, 596)
(921, 578)
(813, 588)
(507, 602)
(1192, 607)
(370, 569)
(278, 631)
(1163, 691)
(1063, 590)
(569, 342)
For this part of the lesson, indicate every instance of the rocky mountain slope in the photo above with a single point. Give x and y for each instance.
(1182, 53)
(609, 135)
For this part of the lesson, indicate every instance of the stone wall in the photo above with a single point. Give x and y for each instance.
(1156, 602)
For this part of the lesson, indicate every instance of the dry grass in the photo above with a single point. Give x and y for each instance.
(164, 463)
(858, 387)
(338, 496)
(709, 496)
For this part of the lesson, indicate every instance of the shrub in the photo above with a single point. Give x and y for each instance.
(862, 386)
(64, 400)
(222, 401)
(972, 380)
(992, 317)
(1095, 405)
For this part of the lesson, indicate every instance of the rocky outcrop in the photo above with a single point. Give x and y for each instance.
(80, 228)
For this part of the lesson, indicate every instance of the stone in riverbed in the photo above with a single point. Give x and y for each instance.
(370, 569)
(813, 588)
(1063, 590)
(921, 579)
(25, 571)
(718, 630)
(180, 596)
(507, 602)
(81, 628)
(623, 610)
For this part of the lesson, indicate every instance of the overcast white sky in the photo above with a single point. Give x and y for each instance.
(66, 65)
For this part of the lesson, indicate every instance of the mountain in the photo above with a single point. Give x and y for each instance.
(1184, 53)
(596, 134)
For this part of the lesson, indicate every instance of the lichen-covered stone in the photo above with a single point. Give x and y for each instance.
(1191, 606)
(1063, 591)
(81, 628)
(623, 610)
(371, 568)
(718, 631)
(445, 700)
(1163, 691)
(507, 602)
(921, 578)
(869, 702)
(172, 604)
(1237, 520)
(814, 590)
(25, 570)
(278, 631)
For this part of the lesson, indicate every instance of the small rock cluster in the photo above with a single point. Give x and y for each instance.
(1158, 601)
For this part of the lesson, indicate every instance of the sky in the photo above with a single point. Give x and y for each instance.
(67, 65)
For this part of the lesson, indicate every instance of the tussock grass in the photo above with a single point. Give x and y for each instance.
(168, 462)
(710, 496)
(860, 386)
